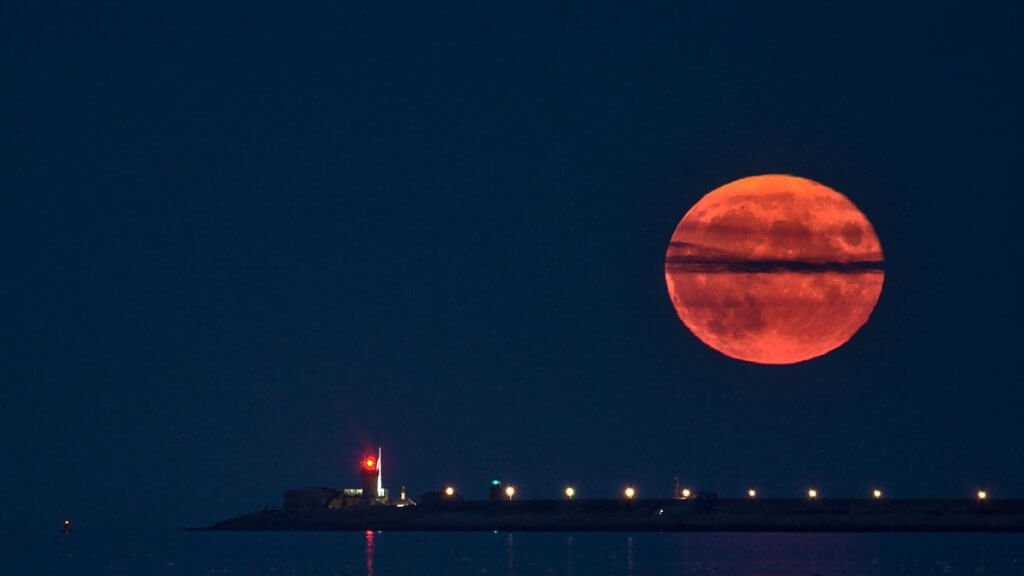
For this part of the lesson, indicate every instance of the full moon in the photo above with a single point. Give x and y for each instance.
(774, 269)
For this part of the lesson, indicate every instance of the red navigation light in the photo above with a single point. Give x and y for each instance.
(369, 463)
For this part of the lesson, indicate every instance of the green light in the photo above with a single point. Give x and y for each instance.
(495, 482)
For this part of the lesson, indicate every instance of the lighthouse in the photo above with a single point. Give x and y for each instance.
(373, 486)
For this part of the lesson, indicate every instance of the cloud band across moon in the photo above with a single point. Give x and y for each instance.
(774, 269)
(717, 263)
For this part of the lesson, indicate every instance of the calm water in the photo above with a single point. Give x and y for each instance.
(140, 552)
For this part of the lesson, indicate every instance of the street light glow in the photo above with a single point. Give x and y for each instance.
(877, 494)
(982, 495)
(812, 493)
(510, 491)
(570, 492)
(686, 493)
(630, 492)
(752, 493)
(449, 491)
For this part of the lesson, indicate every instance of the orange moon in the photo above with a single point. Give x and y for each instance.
(774, 269)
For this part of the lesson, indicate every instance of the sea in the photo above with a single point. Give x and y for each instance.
(173, 552)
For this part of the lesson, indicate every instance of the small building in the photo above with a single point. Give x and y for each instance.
(346, 497)
(496, 490)
(403, 500)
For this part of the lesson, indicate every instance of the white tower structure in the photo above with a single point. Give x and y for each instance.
(380, 482)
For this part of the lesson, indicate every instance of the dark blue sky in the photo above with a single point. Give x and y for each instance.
(242, 243)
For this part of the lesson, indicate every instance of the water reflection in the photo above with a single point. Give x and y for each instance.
(767, 554)
(735, 554)
(511, 553)
(629, 556)
(544, 554)
(568, 561)
(369, 552)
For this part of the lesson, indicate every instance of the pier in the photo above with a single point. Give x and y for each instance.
(657, 515)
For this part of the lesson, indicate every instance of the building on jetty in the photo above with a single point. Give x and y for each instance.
(371, 492)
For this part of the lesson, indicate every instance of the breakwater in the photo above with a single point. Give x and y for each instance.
(717, 515)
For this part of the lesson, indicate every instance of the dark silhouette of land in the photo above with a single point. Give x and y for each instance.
(724, 515)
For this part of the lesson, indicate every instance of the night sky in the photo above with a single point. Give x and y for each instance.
(242, 244)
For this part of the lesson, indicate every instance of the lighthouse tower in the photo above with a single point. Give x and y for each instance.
(369, 470)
